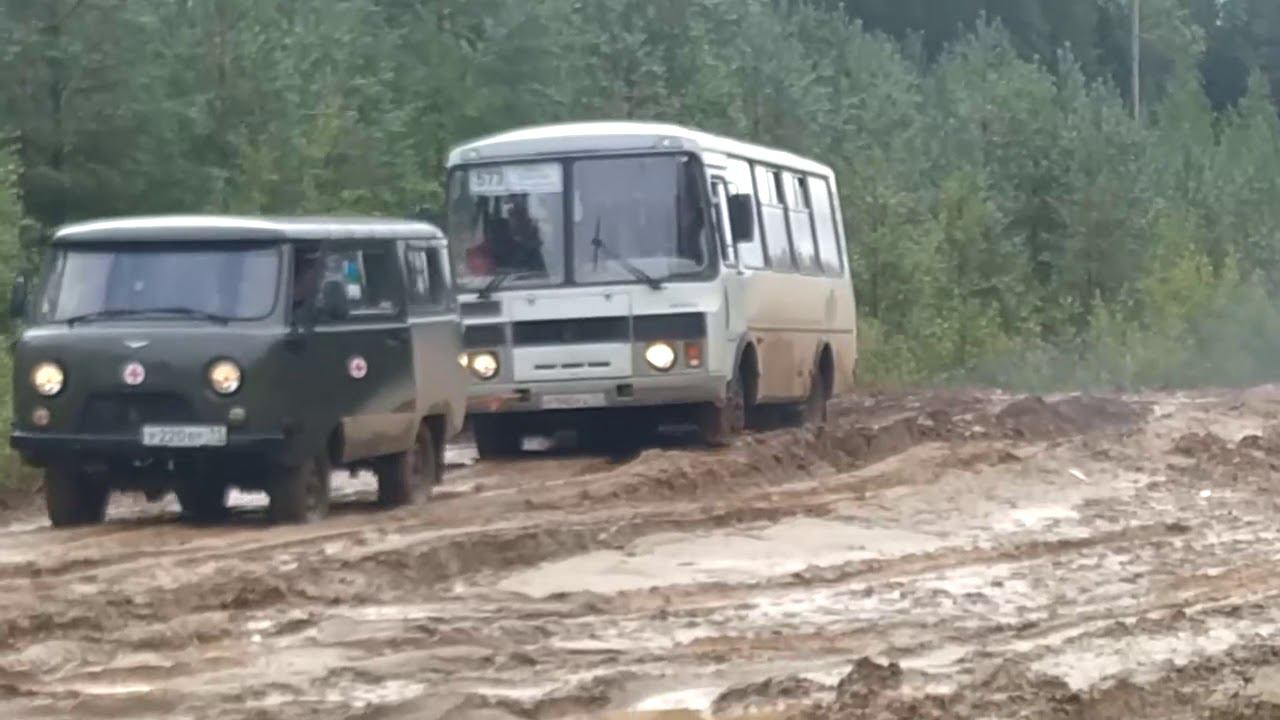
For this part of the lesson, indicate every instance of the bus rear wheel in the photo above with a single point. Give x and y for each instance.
(720, 424)
(496, 436)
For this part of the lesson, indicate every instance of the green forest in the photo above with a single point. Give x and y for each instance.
(1010, 221)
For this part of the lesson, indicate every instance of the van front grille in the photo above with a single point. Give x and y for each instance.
(125, 414)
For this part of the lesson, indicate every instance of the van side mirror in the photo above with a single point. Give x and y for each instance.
(333, 301)
(742, 217)
(18, 297)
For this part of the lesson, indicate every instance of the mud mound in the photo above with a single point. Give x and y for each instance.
(1033, 418)
(772, 695)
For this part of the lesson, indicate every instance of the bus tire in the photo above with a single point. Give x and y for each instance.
(300, 494)
(815, 405)
(496, 436)
(72, 499)
(719, 424)
(407, 478)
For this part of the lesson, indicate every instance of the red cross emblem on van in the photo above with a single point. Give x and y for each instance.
(134, 373)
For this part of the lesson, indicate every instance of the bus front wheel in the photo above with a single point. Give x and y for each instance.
(719, 424)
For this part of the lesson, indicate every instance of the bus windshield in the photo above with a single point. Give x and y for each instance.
(227, 281)
(635, 219)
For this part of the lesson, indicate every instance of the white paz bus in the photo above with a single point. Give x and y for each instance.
(618, 275)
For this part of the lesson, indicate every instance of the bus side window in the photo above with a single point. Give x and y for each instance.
(799, 212)
(720, 221)
(773, 216)
(824, 221)
(750, 254)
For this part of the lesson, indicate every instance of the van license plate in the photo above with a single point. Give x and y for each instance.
(184, 435)
(572, 402)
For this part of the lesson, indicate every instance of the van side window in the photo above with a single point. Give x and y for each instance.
(738, 174)
(801, 217)
(824, 221)
(773, 218)
(370, 276)
(427, 282)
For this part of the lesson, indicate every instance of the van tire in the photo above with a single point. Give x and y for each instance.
(719, 424)
(203, 499)
(407, 478)
(496, 436)
(72, 499)
(300, 494)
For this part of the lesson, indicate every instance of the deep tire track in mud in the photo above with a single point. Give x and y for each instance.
(946, 554)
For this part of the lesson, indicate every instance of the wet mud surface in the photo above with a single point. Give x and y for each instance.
(941, 555)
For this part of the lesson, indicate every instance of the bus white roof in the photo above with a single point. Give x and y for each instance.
(586, 138)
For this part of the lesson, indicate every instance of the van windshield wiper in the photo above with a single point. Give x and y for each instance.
(122, 312)
(599, 245)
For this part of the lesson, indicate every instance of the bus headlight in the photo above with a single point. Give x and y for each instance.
(660, 355)
(47, 378)
(224, 377)
(484, 365)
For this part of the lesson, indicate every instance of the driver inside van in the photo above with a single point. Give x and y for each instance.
(306, 279)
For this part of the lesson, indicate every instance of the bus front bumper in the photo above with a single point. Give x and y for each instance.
(679, 389)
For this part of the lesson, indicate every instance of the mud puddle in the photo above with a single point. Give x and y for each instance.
(930, 555)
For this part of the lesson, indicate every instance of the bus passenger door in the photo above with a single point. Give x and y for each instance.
(732, 278)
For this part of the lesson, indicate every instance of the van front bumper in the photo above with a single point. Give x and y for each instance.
(39, 448)
(680, 389)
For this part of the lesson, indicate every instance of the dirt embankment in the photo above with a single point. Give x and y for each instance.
(933, 555)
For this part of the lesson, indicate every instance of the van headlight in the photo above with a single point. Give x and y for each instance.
(660, 355)
(224, 377)
(47, 378)
(484, 365)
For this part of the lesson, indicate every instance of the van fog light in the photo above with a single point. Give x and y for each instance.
(660, 355)
(40, 417)
(484, 365)
(236, 415)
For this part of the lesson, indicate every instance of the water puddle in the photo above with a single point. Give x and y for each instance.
(733, 556)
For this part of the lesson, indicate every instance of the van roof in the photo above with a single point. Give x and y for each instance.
(585, 138)
(231, 227)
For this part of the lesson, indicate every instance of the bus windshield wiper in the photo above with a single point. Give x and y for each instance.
(492, 286)
(598, 243)
(123, 312)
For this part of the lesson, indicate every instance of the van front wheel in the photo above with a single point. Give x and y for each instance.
(73, 499)
(300, 494)
(406, 478)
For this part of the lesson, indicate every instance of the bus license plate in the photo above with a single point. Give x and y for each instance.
(573, 402)
(184, 436)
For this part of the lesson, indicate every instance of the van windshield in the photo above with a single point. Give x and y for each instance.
(227, 281)
(635, 219)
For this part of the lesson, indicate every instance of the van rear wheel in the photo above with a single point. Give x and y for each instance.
(73, 499)
(496, 436)
(406, 478)
(300, 494)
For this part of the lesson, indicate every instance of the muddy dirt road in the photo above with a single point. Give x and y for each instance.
(943, 555)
